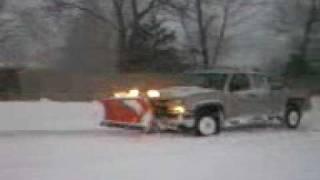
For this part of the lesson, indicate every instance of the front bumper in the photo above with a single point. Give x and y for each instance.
(162, 123)
(175, 122)
(167, 118)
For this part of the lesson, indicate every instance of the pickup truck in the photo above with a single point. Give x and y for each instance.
(213, 99)
(206, 101)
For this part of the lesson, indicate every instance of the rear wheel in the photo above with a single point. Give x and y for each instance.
(292, 117)
(207, 125)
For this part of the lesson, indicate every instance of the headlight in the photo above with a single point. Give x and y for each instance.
(176, 106)
(179, 110)
(153, 94)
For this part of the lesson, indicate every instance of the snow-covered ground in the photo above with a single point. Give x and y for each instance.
(49, 115)
(67, 145)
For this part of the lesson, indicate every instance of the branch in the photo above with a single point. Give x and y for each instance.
(118, 10)
(152, 4)
(209, 22)
(86, 10)
(246, 4)
(238, 21)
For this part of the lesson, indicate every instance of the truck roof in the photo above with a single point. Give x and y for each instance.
(226, 71)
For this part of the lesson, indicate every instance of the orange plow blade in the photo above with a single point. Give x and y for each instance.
(128, 112)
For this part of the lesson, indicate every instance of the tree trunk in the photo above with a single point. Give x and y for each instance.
(122, 35)
(308, 31)
(188, 37)
(135, 23)
(123, 52)
(202, 34)
(219, 44)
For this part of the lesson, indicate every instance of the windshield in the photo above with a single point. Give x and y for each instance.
(215, 81)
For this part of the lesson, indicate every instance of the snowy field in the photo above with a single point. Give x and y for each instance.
(62, 141)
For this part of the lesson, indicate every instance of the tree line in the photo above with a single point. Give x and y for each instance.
(170, 35)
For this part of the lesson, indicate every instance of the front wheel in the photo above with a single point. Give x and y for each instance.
(207, 125)
(292, 117)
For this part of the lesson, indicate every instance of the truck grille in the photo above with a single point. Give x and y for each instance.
(161, 109)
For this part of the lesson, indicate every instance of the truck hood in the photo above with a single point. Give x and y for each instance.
(183, 91)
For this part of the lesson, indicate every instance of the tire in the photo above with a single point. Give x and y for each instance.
(207, 125)
(292, 117)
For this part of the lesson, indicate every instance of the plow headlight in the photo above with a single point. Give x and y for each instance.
(133, 93)
(120, 94)
(153, 94)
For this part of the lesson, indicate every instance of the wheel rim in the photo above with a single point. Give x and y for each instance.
(294, 118)
(207, 126)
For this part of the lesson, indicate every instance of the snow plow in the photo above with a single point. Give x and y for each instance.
(208, 101)
(135, 110)
(128, 110)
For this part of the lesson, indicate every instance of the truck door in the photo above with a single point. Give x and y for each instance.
(241, 97)
(260, 95)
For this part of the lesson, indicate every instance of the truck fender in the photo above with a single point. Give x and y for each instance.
(296, 102)
(208, 106)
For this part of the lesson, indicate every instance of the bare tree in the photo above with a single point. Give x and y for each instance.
(11, 31)
(298, 18)
(6, 25)
(203, 31)
(213, 19)
(196, 12)
(127, 18)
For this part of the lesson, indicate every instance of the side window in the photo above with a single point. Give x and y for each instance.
(217, 81)
(259, 81)
(239, 82)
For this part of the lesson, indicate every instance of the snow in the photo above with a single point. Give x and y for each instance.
(312, 119)
(71, 147)
(49, 115)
